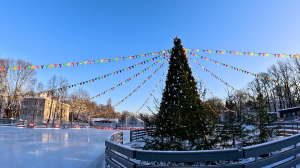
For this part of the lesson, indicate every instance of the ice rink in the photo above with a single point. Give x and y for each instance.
(49, 148)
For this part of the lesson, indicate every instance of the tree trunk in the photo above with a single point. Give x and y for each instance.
(61, 113)
(50, 108)
(2, 107)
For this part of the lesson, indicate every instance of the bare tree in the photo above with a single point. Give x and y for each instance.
(109, 110)
(124, 116)
(92, 109)
(52, 85)
(14, 82)
(78, 97)
(37, 102)
(61, 97)
(132, 121)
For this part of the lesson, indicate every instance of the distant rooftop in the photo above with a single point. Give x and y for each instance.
(290, 109)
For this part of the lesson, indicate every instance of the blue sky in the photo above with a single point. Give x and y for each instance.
(49, 32)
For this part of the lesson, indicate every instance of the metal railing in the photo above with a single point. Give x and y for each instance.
(117, 138)
(282, 153)
(288, 128)
(285, 129)
(137, 135)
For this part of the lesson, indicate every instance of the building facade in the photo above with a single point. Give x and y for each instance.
(37, 109)
(105, 122)
(290, 113)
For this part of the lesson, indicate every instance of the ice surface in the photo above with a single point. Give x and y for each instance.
(49, 148)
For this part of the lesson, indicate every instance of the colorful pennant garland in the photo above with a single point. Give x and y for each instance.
(244, 53)
(211, 92)
(163, 52)
(135, 90)
(151, 93)
(221, 80)
(243, 71)
(129, 79)
(208, 103)
(102, 77)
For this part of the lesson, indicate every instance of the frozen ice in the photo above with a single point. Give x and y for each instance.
(49, 148)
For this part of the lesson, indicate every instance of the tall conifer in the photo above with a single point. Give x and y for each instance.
(183, 122)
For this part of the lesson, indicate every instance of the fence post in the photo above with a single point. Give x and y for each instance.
(295, 146)
(106, 164)
(130, 135)
(122, 139)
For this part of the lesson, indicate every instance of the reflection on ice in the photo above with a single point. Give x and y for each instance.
(53, 147)
(36, 152)
(51, 137)
(79, 159)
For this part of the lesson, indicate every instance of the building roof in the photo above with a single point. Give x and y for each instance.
(104, 119)
(290, 109)
(136, 118)
(43, 98)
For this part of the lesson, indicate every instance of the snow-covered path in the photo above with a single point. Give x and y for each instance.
(48, 148)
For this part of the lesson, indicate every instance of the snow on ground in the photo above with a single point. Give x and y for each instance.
(48, 148)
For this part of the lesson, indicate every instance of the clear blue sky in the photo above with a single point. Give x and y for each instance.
(48, 32)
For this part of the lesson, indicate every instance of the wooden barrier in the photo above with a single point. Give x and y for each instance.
(118, 155)
(137, 135)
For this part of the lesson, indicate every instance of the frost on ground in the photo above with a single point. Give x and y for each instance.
(48, 148)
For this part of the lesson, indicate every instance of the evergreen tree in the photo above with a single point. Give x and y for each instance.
(262, 121)
(183, 123)
(234, 133)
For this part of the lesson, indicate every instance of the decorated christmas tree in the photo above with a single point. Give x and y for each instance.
(183, 123)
